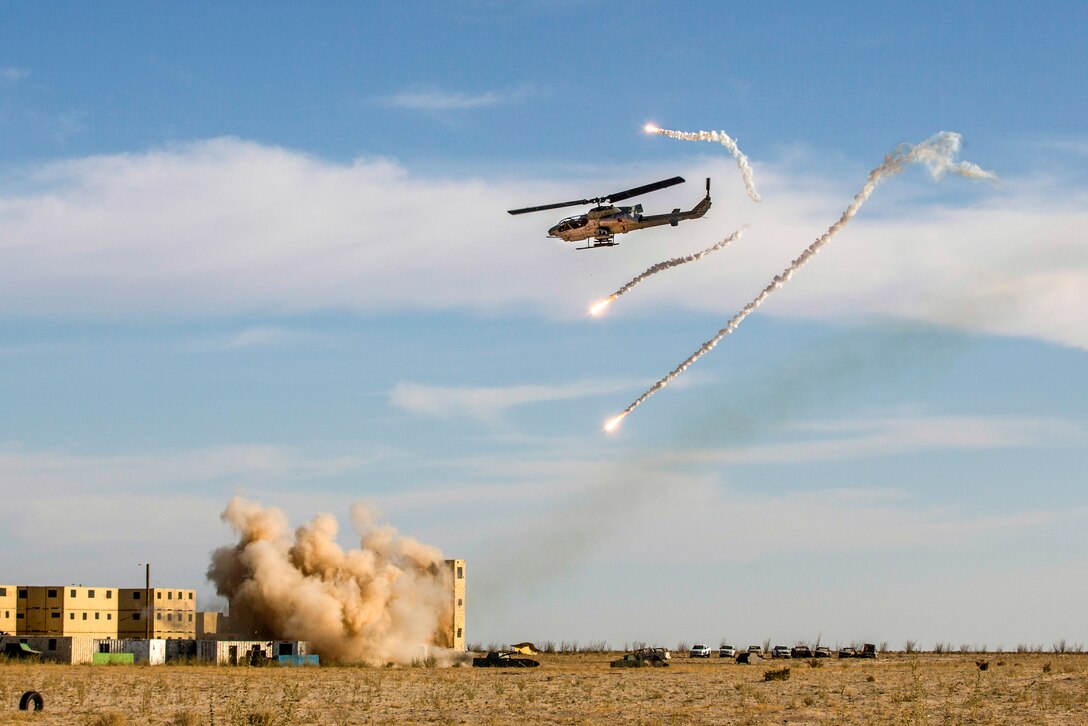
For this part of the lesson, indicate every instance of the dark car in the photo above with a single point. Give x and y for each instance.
(503, 659)
(822, 652)
(801, 651)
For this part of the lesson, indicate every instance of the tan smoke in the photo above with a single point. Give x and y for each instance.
(381, 603)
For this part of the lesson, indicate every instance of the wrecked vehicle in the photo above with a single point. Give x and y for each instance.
(503, 659)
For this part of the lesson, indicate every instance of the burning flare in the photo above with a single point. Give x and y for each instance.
(935, 153)
(599, 307)
(722, 138)
(613, 422)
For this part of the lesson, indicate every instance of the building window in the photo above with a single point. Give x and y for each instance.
(22, 594)
(109, 616)
(169, 596)
(52, 644)
(50, 593)
(84, 616)
(54, 615)
(135, 596)
(158, 616)
(3, 591)
(96, 616)
(72, 593)
(135, 616)
(458, 632)
(190, 617)
(109, 594)
(19, 616)
(158, 596)
(460, 573)
(190, 595)
(169, 616)
(90, 593)
(460, 602)
(71, 616)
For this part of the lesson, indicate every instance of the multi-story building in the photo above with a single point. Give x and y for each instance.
(8, 611)
(170, 612)
(212, 626)
(66, 611)
(452, 632)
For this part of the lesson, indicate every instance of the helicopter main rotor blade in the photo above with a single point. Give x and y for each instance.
(552, 206)
(644, 189)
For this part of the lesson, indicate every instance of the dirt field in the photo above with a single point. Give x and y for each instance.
(908, 689)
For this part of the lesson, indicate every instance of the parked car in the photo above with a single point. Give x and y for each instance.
(780, 651)
(642, 658)
(848, 652)
(801, 651)
(822, 652)
(699, 650)
(727, 651)
(757, 649)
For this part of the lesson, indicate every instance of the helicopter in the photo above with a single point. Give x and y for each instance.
(604, 222)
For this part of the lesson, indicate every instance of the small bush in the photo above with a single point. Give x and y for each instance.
(110, 718)
(780, 674)
(1046, 667)
(815, 663)
(982, 664)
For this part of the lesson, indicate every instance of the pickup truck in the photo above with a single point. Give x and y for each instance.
(699, 651)
(727, 651)
(780, 651)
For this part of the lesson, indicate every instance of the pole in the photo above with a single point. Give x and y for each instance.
(147, 602)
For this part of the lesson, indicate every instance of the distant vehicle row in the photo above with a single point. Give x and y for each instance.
(700, 650)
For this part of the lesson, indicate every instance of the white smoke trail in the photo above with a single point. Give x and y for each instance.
(599, 306)
(383, 602)
(935, 153)
(725, 140)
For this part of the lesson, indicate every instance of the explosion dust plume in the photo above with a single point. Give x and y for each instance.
(599, 306)
(725, 140)
(381, 603)
(935, 153)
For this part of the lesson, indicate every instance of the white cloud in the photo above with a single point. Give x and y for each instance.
(436, 100)
(874, 437)
(489, 403)
(13, 74)
(223, 227)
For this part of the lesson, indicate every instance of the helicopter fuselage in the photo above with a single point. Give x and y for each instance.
(603, 223)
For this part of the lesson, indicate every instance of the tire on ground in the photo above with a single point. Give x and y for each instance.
(31, 701)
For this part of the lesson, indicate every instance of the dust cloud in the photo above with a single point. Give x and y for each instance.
(383, 602)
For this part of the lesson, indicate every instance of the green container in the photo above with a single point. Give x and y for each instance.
(113, 658)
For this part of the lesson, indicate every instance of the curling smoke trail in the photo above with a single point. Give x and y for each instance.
(599, 306)
(725, 140)
(935, 153)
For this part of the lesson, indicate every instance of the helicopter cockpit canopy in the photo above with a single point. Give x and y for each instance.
(570, 223)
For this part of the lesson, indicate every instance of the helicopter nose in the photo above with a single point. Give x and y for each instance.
(554, 231)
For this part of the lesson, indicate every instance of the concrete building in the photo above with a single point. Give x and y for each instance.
(212, 626)
(171, 613)
(8, 611)
(72, 611)
(452, 632)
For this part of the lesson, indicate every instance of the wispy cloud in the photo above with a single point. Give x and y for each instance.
(437, 100)
(489, 403)
(13, 74)
(888, 436)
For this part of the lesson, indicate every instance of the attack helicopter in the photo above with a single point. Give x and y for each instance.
(605, 221)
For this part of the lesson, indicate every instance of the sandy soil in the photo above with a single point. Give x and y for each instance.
(568, 689)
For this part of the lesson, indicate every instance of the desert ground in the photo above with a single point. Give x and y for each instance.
(1036, 688)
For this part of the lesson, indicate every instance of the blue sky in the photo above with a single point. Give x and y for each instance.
(263, 250)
